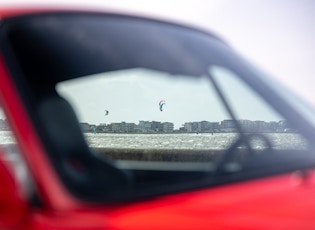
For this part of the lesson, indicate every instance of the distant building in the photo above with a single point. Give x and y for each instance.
(116, 127)
(156, 126)
(168, 127)
(123, 127)
(144, 126)
(191, 127)
(215, 126)
(188, 127)
(228, 126)
(182, 130)
(260, 126)
(204, 126)
(201, 127)
(246, 125)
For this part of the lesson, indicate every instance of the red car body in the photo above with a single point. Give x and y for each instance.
(285, 201)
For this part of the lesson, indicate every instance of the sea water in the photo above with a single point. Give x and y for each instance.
(179, 141)
(200, 141)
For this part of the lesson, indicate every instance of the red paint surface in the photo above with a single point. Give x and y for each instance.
(281, 202)
(271, 203)
(12, 207)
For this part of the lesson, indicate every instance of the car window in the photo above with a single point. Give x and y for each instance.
(146, 115)
(148, 109)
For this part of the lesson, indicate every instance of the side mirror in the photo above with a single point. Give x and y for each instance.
(12, 207)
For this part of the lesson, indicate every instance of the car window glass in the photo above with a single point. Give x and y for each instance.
(304, 107)
(143, 110)
(253, 113)
(130, 114)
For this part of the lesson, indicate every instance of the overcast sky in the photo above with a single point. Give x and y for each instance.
(276, 35)
(134, 95)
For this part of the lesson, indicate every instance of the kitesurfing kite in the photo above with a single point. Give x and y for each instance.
(161, 104)
(106, 112)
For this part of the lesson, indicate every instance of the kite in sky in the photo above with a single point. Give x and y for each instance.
(161, 104)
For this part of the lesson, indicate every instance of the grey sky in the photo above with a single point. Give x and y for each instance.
(134, 95)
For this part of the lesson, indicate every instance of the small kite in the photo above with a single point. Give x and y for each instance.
(161, 104)
(106, 112)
